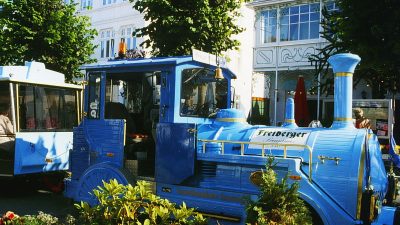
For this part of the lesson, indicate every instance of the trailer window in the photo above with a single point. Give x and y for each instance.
(5, 95)
(46, 109)
(202, 95)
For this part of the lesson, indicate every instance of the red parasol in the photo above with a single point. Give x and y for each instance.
(300, 104)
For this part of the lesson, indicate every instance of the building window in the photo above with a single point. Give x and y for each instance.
(128, 38)
(299, 22)
(107, 44)
(259, 111)
(269, 19)
(85, 4)
(109, 2)
(332, 6)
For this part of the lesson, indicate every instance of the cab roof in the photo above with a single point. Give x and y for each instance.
(150, 64)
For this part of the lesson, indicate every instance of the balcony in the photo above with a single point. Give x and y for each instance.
(284, 57)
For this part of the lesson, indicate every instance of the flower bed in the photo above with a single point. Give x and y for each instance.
(10, 218)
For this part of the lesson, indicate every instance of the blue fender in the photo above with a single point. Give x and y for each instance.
(388, 216)
(94, 176)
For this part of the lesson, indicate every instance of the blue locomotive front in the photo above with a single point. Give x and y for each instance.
(199, 150)
(340, 169)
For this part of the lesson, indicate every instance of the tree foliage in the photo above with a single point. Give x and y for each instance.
(175, 27)
(47, 31)
(370, 29)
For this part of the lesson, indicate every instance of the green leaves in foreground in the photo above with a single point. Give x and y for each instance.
(278, 203)
(119, 204)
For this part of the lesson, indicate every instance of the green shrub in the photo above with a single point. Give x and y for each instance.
(277, 203)
(119, 204)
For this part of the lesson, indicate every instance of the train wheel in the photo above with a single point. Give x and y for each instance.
(316, 219)
(54, 181)
(392, 190)
(94, 176)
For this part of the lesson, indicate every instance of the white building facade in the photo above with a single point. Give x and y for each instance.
(114, 20)
(286, 34)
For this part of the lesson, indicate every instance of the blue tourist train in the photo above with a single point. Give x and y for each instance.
(170, 121)
(37, 112)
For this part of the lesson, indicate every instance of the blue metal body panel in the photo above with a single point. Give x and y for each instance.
(386, 216)
(96, 141)
(106, 141)
(225, 190)
(175, 153)
(348, 146)
(378, 177)
(211, 201)
(37, 152)
(79, 155)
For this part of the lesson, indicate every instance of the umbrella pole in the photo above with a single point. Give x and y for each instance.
(318, 94)
(276, 85)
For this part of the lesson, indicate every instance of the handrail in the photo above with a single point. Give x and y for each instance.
(7, 135)
(263, 144)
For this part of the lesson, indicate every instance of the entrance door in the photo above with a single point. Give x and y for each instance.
(105, 137)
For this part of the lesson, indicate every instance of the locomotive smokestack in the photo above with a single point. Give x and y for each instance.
(343, 66)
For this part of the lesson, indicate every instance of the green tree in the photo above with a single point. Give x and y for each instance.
(278, 203)
(47, 31)
(178, 26)
(370, 29)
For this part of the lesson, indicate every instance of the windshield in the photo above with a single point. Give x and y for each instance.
(202, 95)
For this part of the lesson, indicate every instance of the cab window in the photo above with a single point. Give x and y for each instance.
(94, 96)
(202, 95)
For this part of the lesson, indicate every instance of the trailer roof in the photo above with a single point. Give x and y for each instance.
(34, 73)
